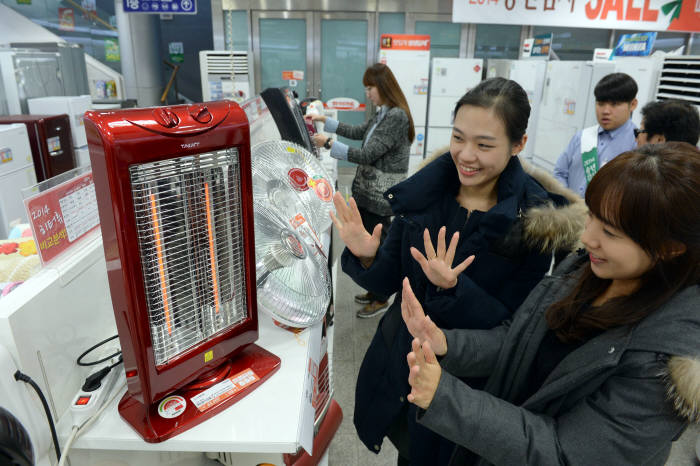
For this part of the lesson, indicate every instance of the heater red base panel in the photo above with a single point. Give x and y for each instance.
(153, 424)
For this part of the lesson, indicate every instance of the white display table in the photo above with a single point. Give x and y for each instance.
(259, 428)
(265, 421)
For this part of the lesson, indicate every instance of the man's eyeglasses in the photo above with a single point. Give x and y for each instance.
(637, 132)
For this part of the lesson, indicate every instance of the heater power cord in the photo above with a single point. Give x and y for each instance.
(19, 376)
(93, 348)
(94, 381)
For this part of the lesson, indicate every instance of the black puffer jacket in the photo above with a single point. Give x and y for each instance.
(512, 243)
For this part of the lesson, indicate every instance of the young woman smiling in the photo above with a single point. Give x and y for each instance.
(601, 363)
(475, 200)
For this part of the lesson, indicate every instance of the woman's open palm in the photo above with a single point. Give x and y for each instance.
(349, 224)
(419, 325)
(437, 266)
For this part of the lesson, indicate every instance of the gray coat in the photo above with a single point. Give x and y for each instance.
(607, 402)
(382, 160)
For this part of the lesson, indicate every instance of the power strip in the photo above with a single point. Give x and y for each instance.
(86, 402)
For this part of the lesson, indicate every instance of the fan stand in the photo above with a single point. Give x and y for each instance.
(192, 404)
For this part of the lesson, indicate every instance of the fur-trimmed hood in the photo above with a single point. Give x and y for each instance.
(683, 386)
(674, 329)
(546, 227)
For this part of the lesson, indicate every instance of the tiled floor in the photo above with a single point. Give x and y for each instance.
(351, 338)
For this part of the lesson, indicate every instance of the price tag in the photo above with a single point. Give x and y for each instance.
(63, 215)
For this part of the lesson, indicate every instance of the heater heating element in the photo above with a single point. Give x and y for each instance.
(188, 224)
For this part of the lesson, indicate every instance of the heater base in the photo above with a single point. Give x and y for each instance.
(183, 408)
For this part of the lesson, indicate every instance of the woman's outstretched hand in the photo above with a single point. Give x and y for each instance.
(349, 224)
(423, 374)
(319, 139)
(437, 266)
(317, 118)
(419, 325)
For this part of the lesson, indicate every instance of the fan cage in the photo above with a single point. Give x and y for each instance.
(190, 237)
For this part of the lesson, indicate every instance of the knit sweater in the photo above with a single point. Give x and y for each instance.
(382, 160)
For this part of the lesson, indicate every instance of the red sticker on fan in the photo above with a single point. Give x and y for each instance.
(298, 178)
(322, 188)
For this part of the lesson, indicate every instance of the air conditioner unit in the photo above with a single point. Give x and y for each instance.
(680, 79)
(225, 75)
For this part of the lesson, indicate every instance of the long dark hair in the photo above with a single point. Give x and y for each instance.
(652, 194)
(380, 75)
(507, 99)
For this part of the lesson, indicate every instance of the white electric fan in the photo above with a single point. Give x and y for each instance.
(293, 280)
(290, 167)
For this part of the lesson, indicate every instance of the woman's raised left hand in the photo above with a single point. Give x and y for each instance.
(437, 266)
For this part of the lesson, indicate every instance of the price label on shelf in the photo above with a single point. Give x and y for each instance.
(62, 215)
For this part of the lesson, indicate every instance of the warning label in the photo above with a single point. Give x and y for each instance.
(224, 389)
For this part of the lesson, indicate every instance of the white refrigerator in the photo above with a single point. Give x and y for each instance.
(598, 72)
(74, 106)
(450, 79)
(644, 70)
(562, 110)
(530, 74)
(26, 74)
(411, 67)
(16, 173)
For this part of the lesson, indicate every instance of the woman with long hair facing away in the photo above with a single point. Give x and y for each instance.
(382, 160)
(601, 363)
(475, 200)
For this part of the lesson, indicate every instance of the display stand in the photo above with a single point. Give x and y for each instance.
(262, 427)
(66, 308)
(264, 422)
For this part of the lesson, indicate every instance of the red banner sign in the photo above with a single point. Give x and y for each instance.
(637, 15)
(405, 42)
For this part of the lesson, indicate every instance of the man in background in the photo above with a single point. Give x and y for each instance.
(593, 147)
(669, 120)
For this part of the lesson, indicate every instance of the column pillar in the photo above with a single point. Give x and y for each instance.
(139, 40)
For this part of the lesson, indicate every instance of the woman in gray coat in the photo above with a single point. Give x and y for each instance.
(382, 160)
(601, 363)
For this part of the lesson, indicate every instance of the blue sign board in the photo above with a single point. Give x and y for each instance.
(635, 45)
(175, 7)
(542, 45)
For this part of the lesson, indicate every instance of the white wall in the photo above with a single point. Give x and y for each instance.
(16, 28)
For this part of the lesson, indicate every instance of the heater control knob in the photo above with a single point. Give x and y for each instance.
(200, 113)
(166, 117)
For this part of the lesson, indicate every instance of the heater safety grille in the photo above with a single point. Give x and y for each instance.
(190, 235)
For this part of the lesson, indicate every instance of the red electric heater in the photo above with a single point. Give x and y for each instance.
(174, 195)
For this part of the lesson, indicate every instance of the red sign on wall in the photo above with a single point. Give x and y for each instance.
(66, 19)
(62, 215)
(405, 42)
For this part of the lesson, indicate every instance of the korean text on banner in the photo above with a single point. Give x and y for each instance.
(404, 42)
(647, 15)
